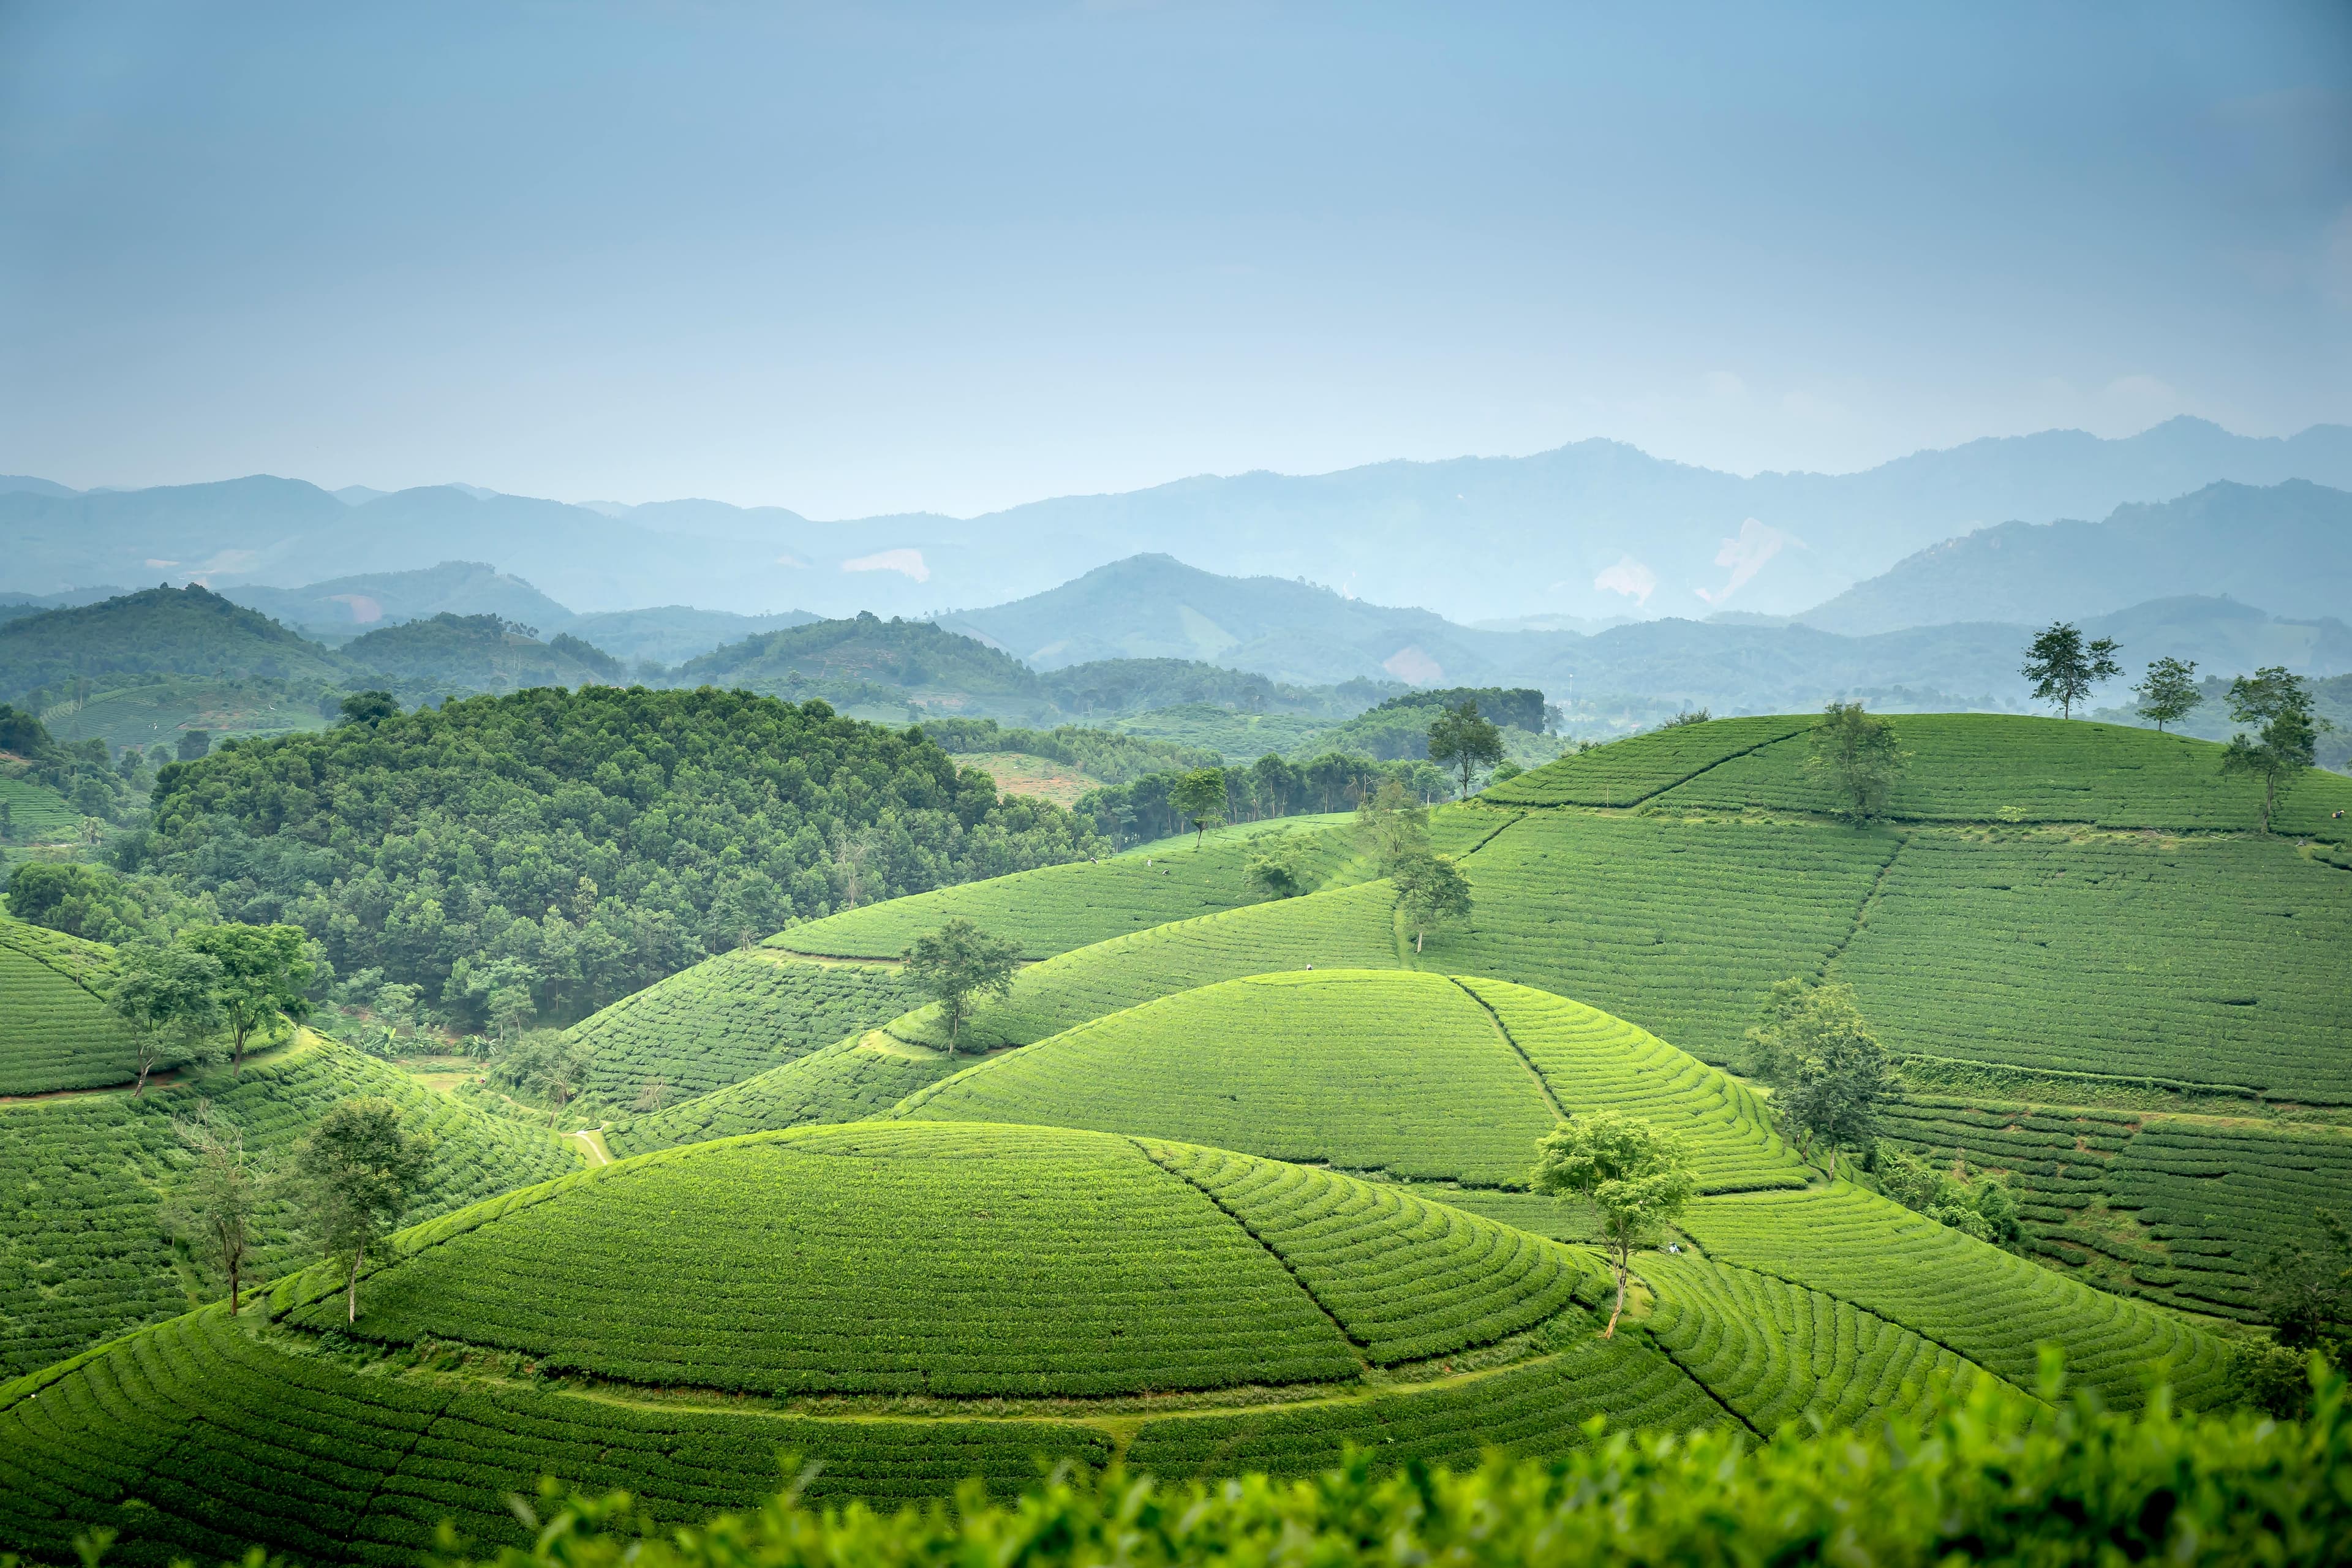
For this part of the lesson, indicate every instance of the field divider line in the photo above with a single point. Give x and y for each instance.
(1697, 1381)
(360, 1516)
(1272, 1251)
(1543, 1087)
(1862, 910)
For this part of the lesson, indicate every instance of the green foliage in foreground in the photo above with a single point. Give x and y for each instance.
(1986, 1482)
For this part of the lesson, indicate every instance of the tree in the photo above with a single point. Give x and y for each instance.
(214, 1207)
(2063, 670)
(1637, 1176)
(356, 1169)
(1198, 797)
(170, 997)
(2169, 691)
(2306, 1288)
(1430, 889)
(1855, 754)
(2287, 739)
(1392, 825)
(369, 708)
(263, 975)
(1462, 739)
(1279, 871)
(1828, 1071)
(960, 961)
(547, 1063)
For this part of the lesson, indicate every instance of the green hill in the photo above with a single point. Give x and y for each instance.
(906, 1303)
(55, 1030)
(156, 713)
(185, 631)
(866, 660)
(727, 1019)
(82, 1255)
(850, 1080)
(446, 653)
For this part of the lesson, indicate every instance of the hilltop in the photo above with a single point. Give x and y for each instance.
(155, 631)
(477, 653)
(347, 605)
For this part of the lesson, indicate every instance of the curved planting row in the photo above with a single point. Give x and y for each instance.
(848, 1080)
(1626, 771)
(1408, 1280)
(728, 1018)
(1681, 927)
(1363, 1070)
(83, 1256)
(1777, 1352)
(2216, 960)
(55, 1033)
(1592, 1060)
(1982, 1303)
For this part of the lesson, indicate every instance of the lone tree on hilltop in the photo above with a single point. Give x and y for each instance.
(169, 996)
(2169, 691)
(1829, 1073)
(2063, 668)
(2287, 738)
(1637, 1176)
(1198, 797)
(214, 1207)
(263, 977)
(959, 962)
(1430, 889)
(356, 1169)
(1462, 738)
(1854, 753)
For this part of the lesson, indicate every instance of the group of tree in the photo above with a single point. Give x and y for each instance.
(208, 987)
(540, 855)
(1828, 1073)
(1392, 828)
(1973, 1202)
(1146, 808)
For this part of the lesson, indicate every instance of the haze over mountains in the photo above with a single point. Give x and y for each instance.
(1596, 530)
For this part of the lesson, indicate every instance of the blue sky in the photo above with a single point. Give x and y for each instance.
(861, 259)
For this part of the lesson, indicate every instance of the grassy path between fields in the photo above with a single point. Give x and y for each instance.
(592, 1145)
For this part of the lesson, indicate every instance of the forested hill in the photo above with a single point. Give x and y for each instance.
(177, 631)
(581, 845)
(892, 656)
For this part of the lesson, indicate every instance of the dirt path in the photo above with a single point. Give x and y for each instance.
(592, 1145)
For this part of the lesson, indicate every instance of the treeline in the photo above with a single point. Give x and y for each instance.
(1102, 753)
(1398, 728)
(80, 771)
(1144, 810)
(566, 848)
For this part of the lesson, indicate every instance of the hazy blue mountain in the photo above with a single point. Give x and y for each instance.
(1595, 529)
(346, 607)
(27, 484)
(358, 495)
(421, 659)
(2287, 546)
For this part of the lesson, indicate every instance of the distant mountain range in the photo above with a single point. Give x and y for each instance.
(1590, 531)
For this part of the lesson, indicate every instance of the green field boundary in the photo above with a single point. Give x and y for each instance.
(2121, 1080)
(1543, 1085)
(1862, 910)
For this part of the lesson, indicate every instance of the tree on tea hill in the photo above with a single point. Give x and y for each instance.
(215, 1206)
(2063, 667)
(1462, 738)
(547, 1063)
(1198, 797)
(263, 977)
(1392, 826)
(170, 996)
(355, 1170)
(2287, 738)
(958, 963)
(1828, 1072)
(1636, 1174)
(2169, 691)
(1854, 753)
(1430, 889)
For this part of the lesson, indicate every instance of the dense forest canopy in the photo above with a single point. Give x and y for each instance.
(156, 631)
(581, 845)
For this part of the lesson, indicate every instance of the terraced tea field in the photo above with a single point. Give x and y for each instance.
(37, 814)
(1981, 1302)
(866, 1276)
(848, 1080)
(729, 1018)
(82, 1256)
(2181, 1209)
(1681, 927)
(2203, 959)
(54, 1032)
(1627, 771)
(1988, 767)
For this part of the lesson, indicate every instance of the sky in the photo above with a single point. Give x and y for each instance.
(854, 260)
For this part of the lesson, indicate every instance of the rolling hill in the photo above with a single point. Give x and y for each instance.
(1190, 1308)
(154, 632)
(346, 607)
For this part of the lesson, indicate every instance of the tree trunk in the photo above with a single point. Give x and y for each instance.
(1416, 941)
(1610, 1331)
(233, 1262)
(2270, 798)
(352, 1290)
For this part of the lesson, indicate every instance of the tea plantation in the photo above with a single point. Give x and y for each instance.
(909, 1303)
(848, 1080)
(727, 1019)
(83, 1256)
(54, 1032)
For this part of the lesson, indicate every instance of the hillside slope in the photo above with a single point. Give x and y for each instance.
(155, 631)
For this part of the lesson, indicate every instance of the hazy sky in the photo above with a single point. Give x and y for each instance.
(852, 260)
